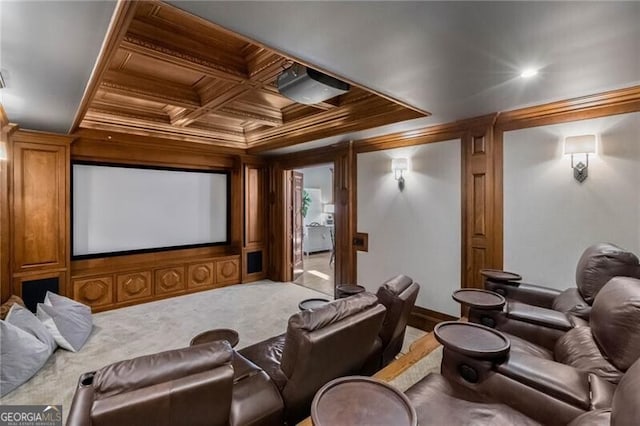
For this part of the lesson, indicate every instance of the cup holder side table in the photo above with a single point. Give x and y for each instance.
(361, 401)
(499, 276)
(216, 334)
(473, 340)
(479, 299)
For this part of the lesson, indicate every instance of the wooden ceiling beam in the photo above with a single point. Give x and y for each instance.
(148, 47)
(272, 120)
(215, 103)
(107, 118)
(135, 86)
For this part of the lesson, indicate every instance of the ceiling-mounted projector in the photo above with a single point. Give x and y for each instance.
(308, 86)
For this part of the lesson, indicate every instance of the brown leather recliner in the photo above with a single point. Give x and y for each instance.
(440, 401)
(319, 346)
(597, 265)
(612, 341)
(399, 296)
(207, 384)
(186, 386)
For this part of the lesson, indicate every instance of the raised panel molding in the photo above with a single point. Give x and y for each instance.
(227, 271)
(201, 275)
(169, 280)
(134, 285)
(479, 210)
(94, 292)
(39, 206)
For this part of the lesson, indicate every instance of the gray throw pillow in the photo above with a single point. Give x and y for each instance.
(25, 320)
(22, 356)
(69, 322)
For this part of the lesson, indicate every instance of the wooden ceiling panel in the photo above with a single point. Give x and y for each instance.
(144, 65)
(177, 76)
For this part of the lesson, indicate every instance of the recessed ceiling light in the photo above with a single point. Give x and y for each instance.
(528, 73)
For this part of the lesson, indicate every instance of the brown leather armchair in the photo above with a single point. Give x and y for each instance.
(609, 345)
(440, 401)
(186, 386)
(597, 265)
(207, 384)
(319, 346)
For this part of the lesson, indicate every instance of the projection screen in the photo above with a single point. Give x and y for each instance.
(122, 209)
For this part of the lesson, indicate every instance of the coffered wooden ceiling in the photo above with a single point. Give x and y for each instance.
(178, 76)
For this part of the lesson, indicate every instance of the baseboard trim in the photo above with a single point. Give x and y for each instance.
(425, 319)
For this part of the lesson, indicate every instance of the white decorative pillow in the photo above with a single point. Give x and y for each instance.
(69, 322)
(22, 354)
(25, 320)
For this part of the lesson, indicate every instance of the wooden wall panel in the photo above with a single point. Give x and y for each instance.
(227, 271)
(39, 203)
(201, 275)
(135, 285)
(254, 205)
(481, 204)
(95, 292)
(169, 280)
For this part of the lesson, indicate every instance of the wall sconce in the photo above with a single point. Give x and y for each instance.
(329, 209)
(583, 144)
(399, 166)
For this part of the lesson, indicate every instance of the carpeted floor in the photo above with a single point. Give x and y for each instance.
(257, 311)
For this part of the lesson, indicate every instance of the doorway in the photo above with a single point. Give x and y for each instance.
(313, 228)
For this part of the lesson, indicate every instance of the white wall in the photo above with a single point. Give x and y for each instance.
(550, 218)
(415, 232)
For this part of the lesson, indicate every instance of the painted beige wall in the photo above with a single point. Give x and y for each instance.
(550, 218)
(416, 232)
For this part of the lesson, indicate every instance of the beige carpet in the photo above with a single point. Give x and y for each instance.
(257, 311)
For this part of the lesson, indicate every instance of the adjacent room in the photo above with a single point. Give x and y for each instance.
(319, 213)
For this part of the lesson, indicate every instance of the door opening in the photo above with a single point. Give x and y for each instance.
(313, 230)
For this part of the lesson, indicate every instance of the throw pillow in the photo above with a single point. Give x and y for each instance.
(69, 321)
(6, 306)
(25, 320)
(22, 356)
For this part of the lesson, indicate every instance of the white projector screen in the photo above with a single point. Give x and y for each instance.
(122, 209)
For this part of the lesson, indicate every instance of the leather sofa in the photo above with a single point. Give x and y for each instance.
(206, 384)
(597, 265)
(319, 346)
(440, 401)
(608, 346)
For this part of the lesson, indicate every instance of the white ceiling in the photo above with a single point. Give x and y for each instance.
(47, 53)
(454, 59)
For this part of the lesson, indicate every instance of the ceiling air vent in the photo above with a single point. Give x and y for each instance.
(308, 86)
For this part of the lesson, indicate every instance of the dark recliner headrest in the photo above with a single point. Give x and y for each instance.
(601, 262)
(333, 312)
(137, 373)
(397, 284)
(625, 407)
(615, 321)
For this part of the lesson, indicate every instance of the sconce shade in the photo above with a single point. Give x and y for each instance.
(329, 208)
(399, 164)
(583, 144)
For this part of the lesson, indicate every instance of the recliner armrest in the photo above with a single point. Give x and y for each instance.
(523, 292)
(558, 380)
(539, 316)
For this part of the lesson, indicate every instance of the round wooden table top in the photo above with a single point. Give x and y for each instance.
(471, 339)
(312, 304)
(361, 401)
(346, 290)
(479, 299)
(499, 275)
(215, 335)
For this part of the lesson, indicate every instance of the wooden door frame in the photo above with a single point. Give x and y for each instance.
(341, 157)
